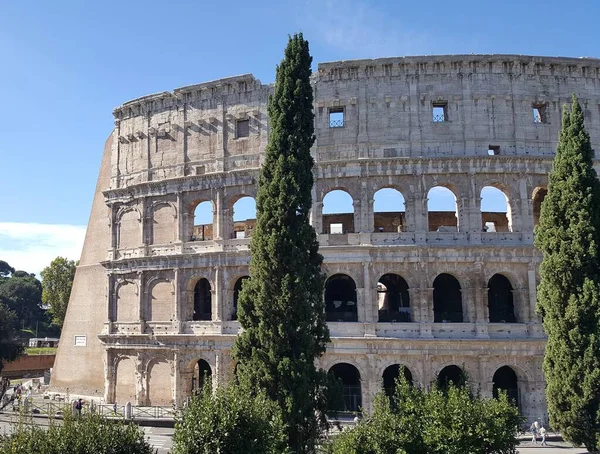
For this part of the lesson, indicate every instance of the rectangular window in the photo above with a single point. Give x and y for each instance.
(440, 111)
(493, 150)
(336, 117)
(336, 228)
(539, 113)
(242, 129)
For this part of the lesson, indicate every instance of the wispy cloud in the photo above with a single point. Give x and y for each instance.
(31, 247)
(362, 29)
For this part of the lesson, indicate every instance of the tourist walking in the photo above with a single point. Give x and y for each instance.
(543, 435)
(534, 431)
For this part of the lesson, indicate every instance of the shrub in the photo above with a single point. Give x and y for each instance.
(230, 421)
(87, 434)
(449, 421)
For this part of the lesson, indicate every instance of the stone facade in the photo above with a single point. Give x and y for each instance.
(154, 296)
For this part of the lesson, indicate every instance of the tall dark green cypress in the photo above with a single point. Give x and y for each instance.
(281, 307)
(569, 292)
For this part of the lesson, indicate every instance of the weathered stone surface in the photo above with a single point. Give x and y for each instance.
(134, 290)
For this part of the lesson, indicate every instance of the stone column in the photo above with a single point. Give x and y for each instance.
(179, 310)
(357, 207)
(415, 304)
(219, 300)
(142, 295)
(220, 228)
(146, 222)
(182, 218)
(427, 318)
(531, 277)
(109, 376)
(369, 309)
(317, 216)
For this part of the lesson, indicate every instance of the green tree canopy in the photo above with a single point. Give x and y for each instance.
(57, 281)
(281, 307)
(22, 293)
(9, 347)
(568, 235)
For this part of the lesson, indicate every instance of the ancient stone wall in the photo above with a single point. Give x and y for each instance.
(425, 289)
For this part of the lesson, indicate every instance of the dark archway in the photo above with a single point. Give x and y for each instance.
(447, 299)
(539, 194)
(500, 300)
(391, 374)
(340, 299)
(451, 374)
(506, 379)
(202, 300)
(393, 299)
(236, 293)
(349, 377)
(202, 374)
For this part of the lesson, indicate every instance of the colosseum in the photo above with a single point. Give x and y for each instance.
(430, 172)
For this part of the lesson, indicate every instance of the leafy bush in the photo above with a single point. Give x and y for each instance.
(87, 434)
(230, 421)
(417, 421)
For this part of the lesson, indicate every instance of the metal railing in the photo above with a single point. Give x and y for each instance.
(336, 123)
(439, 118)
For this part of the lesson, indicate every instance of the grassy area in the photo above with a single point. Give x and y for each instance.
(40, 350)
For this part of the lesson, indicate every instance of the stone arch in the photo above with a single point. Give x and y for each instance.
(538, 195)
(447, 299)
(350, 379)
(496, 210)
(164, 223)
(393, 299)
(505, 379)
(244, 216)
(338, 212)
(125, 381)
(341, 299)
(127, 301)
(389, 210)
(159, 390)
(129, 228)
(237, 287)
(501, 307)
(391, 374)
(202, 300)
(441, 202)
(162, 300)
(451, 374)
(202, 213)
(202, 374)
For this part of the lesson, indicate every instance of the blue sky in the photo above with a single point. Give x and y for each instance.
(67, 64)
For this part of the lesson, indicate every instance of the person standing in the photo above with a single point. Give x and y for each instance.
(543, 435)
(534, 431)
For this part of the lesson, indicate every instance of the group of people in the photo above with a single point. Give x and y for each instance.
(538, 430)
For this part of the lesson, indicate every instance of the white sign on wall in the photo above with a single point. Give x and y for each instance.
(80, 341)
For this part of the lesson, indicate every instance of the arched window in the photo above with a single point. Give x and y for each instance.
(236, 293)
(505, 379)
(539, 194)
(451, 374)
(202, 300)
(447, 299)
(244, 217)
(495, 211)
(500, 300)
(391, 374)
(340, 299)
(203, 222)
(338, 213)
(442, 210)
(393, 299)
(389, 211)
(349, 377)
(202, 374)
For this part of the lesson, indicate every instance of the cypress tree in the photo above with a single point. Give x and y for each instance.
(569, 292)
(281, 307)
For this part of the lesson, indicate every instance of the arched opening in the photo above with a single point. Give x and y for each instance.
(236, 294)
(244, 217)
(442, 211)
(159, 391)
(495, 211)
(393, 299)
(506, 379)
(338, 213)
(349, 377)
(391, 374)
(389, 211)
(202, 375)
(340, 299)
(500, 300)
(451, 374)
(447, 299)
(202, 300)
(203, 222)
(539, 194)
